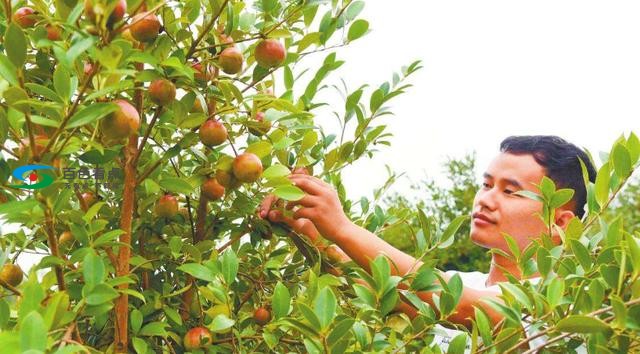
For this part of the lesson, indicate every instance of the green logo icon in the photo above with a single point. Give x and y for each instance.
(33, 180)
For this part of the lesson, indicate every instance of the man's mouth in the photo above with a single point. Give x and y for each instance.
(482, 219)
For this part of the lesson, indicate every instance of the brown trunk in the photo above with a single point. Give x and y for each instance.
(126, 218)
(201, 218)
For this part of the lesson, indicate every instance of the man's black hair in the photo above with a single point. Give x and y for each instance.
(560, 160)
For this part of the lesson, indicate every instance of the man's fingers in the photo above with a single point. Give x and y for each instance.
(306, 201)
(306, 213)
(297, 225)
(266, 205)
(308, 185)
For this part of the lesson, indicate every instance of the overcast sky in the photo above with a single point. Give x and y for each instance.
(494, 69)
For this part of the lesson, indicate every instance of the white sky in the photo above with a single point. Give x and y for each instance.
(494, 69)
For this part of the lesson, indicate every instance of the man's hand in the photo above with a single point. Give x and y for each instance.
(321, 206)
(301, 226)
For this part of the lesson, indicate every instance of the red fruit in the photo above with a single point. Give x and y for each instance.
(231, 60)
(202, 75)
(145, 27)
(247, 167)
(260, 126)
(197, 337)
(270, 53)
(11, 274)
(167, 206)
(162, 91)
(116, 15)
(88, 68)
(227, 180)
(54, 33)
(212, 133)
(262, 316)
(122, 123)
(89, 199)
(24, 17)
(212, 189)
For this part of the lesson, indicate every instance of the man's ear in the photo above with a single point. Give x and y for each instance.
(563, 217)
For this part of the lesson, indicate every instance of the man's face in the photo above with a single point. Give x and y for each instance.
(496, 210)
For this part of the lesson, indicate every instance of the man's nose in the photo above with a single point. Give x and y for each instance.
(486, 199)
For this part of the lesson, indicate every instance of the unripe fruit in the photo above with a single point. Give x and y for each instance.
(227, 179)
(260, 126)
(212, 133)
(224, 39)
(231, 60)
(247, 167)
(54, 33)
(122, 123)
(162, 91)
(116, 15)
(65, 240)
(197, 337)
(89, 199)
(24, 17)
(203, 74)
(212, 189)
(262, 316)
(270, 53)
(167, 206)
(11, 274)
(145, 27)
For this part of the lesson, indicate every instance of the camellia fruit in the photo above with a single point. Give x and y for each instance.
(197, 337)
(116, 15)
(247, 167)
(65, 240)
(89, 199)
(260, 126)
(162, 91)
(122, 123)
(270, 53)
(231, 60)
(262, 316)
(212, 189)
(54, 33)
(24, 17)
(203, 74)
(212, 133)
(227, 179)
(167, 206)
(11, 274)
(145, 27)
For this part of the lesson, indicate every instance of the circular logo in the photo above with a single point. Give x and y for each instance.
(31, 178)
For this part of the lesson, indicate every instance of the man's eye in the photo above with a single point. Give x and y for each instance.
(508, 191)
(486, 185)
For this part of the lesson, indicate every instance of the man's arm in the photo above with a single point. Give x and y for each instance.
(322, 207)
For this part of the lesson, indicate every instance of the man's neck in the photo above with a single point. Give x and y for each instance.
(499, 266)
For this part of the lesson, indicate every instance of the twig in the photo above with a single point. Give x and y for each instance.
(206, 30)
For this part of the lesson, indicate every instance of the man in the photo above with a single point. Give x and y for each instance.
(497, 210)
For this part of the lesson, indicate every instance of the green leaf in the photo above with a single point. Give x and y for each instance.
(5, 313)
(602, 184)
(229, 266)
(139, 345)
(357, 29)
(309, 315)
(221, 323)
(154, 329)
(281, 301)
(290, 193)
(275, 171)
(101, 293)
(621, 161)
(484, 326)
(78, 48)
(342, 328)
(16, 45)
(198, 271)
(8, 70)
(17, 206)
(135, 317)
(176, 185)
(560, 198)
(90, 114)
(307, 40)
(581, 324)
(309, 139)
(93, 269)
(260, 148)
(325, 307)
(457, 344)
(33, 333)
(62, 82)
(447, 235)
